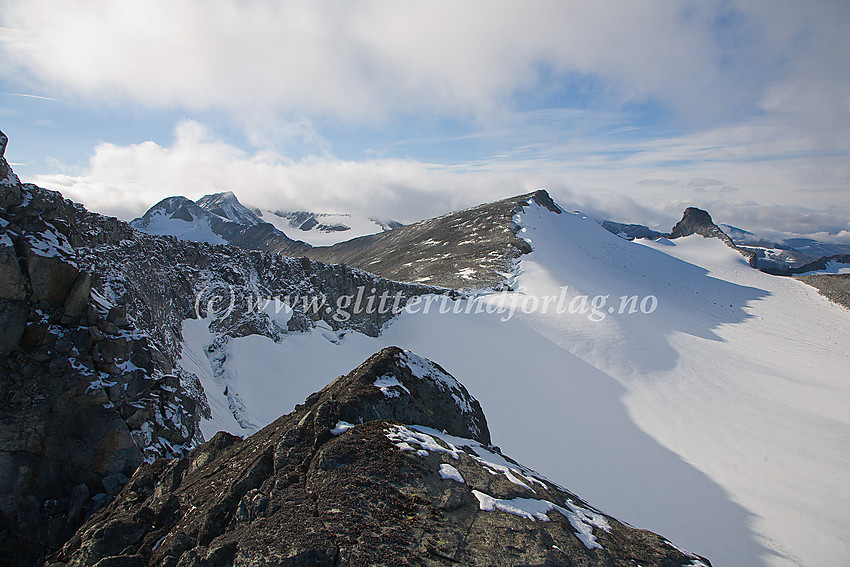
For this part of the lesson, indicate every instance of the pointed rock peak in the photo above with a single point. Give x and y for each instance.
(542, 198)
(399, 385)
(227, 206)
(224, 195)
(697, 221)
(4, 139)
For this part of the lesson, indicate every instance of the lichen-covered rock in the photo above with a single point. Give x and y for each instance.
(314, 489)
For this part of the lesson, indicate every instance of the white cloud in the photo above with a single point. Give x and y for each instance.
(364, 60)
(126, 180)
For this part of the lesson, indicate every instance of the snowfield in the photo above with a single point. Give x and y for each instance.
(715, 414)
(198, 229)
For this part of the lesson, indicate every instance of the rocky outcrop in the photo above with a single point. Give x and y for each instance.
(64, 446)
(346, 479)
(698, 221)
(8, 180)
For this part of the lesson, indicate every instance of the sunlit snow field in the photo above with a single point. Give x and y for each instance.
(719, 419)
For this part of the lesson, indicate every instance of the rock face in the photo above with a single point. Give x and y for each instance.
(64, 448)
(90, 335)
(346, 480)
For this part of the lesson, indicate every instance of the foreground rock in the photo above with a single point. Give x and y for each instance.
(66, 447)
(347, 480)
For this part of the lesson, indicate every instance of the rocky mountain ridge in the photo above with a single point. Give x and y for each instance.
(469, 249)
(388, 465)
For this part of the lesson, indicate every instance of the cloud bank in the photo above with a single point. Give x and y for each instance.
(125, 180)
(365, 60)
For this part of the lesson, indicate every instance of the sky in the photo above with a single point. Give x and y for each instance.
(625, 110)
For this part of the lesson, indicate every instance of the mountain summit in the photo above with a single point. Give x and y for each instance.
(227, 206)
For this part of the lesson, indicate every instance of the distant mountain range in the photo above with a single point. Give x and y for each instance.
(220, 218)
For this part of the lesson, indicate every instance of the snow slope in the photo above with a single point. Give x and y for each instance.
(717, 418)
(357, 226)
(198, 229)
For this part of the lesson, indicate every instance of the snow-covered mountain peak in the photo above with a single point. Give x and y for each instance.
(219, 218)
(183, 218)
(228, 207)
